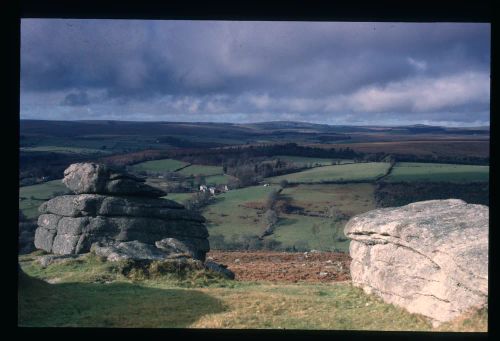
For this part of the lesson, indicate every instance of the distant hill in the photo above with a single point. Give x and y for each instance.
(231, 133)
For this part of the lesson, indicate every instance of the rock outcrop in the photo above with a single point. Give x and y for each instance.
(118, 216)
(429, 257)
(97, 178)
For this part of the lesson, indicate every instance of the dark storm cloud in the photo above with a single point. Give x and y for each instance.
(255, 70)
(76, 99)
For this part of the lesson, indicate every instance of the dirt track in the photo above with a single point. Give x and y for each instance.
(285, 266)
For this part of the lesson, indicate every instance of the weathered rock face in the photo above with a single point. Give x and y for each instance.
(128, 250)
(121, 215)
(98, 178)
(430, 257)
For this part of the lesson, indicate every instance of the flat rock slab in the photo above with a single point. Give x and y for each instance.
(101, 205)
(68, 235)
(128, 250)
(95, 178)
(430, 257)
(177, 247)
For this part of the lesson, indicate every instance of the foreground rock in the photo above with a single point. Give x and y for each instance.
(120, 217)
(430, 257)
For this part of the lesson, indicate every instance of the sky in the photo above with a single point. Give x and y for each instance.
(343, 73)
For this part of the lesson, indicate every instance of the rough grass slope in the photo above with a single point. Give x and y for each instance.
(89, 292)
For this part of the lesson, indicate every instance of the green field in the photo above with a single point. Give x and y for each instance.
(337, 202)
(240, 212)
(164, 165)
(30, 197)
(310, 161)
(66, 150)
(348, 172)
(408, 171)
(106, 143)
(194, 170)
(218, 179)
(309, 233)
(350, 199)
(90, 293)
(228, 216)
(213, 174)
(179, 197)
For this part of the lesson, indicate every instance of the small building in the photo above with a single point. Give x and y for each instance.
(212, 190)
(203, 188)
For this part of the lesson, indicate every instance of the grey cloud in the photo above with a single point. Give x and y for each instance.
(76, 99)
(203, 68)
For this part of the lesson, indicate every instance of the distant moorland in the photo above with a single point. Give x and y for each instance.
(291, 185)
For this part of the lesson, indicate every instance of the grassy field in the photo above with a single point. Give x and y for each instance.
(164, 165)
(194, 170)
(348, 172)
(314, 162)
(213, 175)
(89, 293)
(408, 171)
(102, 142)
(179, 197)
(349, 199)
(218, 179)
(30, 197)
(229, 216)
(239, 212)
(64, 149)
(309, 233)
(337, 202)
(442, 147)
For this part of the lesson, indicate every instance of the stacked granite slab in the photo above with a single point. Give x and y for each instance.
(118, 216)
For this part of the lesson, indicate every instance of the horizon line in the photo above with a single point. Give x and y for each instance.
(260, 122)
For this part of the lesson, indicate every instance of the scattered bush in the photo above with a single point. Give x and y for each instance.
(198, 201)
(271, 244)
(284, 183)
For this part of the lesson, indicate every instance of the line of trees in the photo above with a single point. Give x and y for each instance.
(219, 156)
(390, 194)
